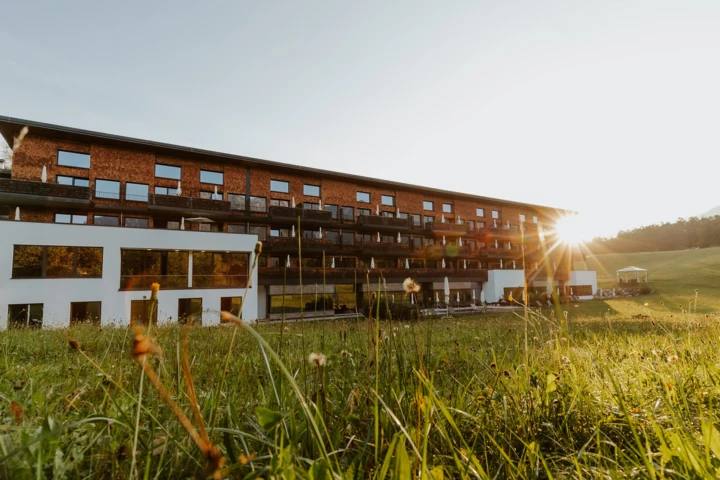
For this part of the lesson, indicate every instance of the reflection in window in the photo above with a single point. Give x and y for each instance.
(311, 190)
(71, 218)
(279, 186)
(73, 159)
(75, 181)
(167, 171)
(34, 261)
(106, 220)
(136, 192)
(25, 315)
(139, 269)
(220, 269)
(232, 305)
(107, 189)
(85, 312)
(237, 202)
(136, 222)
(258, 204)
(215, 178)
(165, 191)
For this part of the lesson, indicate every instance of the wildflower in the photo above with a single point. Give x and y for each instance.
(646, 304)
(345, 353)
(258, 248)
(407, 326)
(317, 359)
(565, 359)
(672, 358)
(662, 304)
(142, 346)
(657, 353)
(563, 339)
(74, 344)
(154, 289)
(410, 286)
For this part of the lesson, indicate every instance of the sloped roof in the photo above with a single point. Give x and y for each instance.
(632, 269)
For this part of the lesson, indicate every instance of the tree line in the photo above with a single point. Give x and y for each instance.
(682, 234)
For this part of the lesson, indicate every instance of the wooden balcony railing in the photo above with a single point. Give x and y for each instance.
(454, 229)
(40, 189)
(307, 215)
(387, 222)
(267, 274)
(290, 244)
(188, 203)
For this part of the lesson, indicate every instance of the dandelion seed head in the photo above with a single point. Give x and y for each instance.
(672, 358)
(258, 248)
(410, 286)
(317, 359)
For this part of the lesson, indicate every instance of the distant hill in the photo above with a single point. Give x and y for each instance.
(711, 212)
(686, 269)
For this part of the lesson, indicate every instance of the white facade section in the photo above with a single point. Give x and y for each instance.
(56, 294)
(499, 280)
(583, 277)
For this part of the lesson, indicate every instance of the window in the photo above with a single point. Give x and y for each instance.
(311, 234)
(141, 311)
(73, 159)
(215, 178)
(232, 305)
(167, 171)
(106, 220)
(388, 200)
(447, 207)
(236, 228)
(347, 238)
(311, 190)
(107, 189)
(220, 269)
(535, 220)
(25, 315)
(311, 206)
(165, 191)
(334, 237)
(522, 218)
(365, 238)
(211, 195)
(363, 211)
(496, 214)
(71, 218)
(387, 214)
(279, 232)
(276, 202)
(480, 225)
(237, 202)
(36, 261)
(258, 204)
(141, 268)
(427, 205)
(471, 225)
(136, 222)
(417, 242)
(279, 186)
(480, 212)
(259, 230)
(208, 227)
(190, 311)
(76, 181)
(363, 197)
(137, 192)
(402, 215)
(348, 213)
(333, 209)
(428, 219)
(416, 220)
(85, 312)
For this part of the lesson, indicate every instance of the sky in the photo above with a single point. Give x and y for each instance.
(610, 109)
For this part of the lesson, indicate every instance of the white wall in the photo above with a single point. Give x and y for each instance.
(57, 294)
(498, 280)
(584, 277)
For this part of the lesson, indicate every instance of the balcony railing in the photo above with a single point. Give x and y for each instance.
(278, 273)
(437, 251)
(40, 189)
(384, 247)
(188, 203)
(501, 252)
(290, 213)
(446, 228)
(290, 244)
(386, 222)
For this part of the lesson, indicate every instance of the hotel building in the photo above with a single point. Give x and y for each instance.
(102, 216)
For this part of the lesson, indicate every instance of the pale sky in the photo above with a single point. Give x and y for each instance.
(608, 108)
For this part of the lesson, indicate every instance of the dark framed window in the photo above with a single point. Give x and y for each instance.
(73, 159)
(387, 214)
(447, 207)
(71, 218)
(417, 242)
(236, 228)
(208, 227)
(416, 220)
(279, 232)
(136, 192)
(348, 213)
(496, 214)
(480, 212)
(107, 189)
(211, 195)
(363, 211)
(363, 197)
(141, 311)
(214, 178)
(259, 230)
(307, 233)
(428, 205)
(76, 181)
(347, 238)
(522, 218)
(258, 204)
(168, 171)
(134, 222)
(333, 236)
(387, 200)
(428, 219)
(220, 269)
(333, 209)
(311, 206)
(106, 220)
(481, 225)
(365, 238)
(25, 315)
(232, 305)
(46, 261)
(85, 312)
(139, 269)
(190, 311)
(470, 225)
(276, 202)
(280, 186)
(237, 201)
(404, 215)
(311, 190)
(165, 191)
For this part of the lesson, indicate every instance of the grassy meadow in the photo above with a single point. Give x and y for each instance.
(582, 391)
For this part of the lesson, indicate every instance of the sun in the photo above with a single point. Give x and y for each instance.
(573, 230)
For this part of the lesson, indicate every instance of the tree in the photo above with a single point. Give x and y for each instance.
(6, 155)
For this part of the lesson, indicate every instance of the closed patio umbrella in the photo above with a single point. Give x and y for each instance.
(332, 265)
(372, 262)
(182, 223)
(43, 176)
(407, 263)
(179, 189)
(293, 202)
(443, 263)
(447, 290)
(17, 213)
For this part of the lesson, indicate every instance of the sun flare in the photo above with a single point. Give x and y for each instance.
(573, 230)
